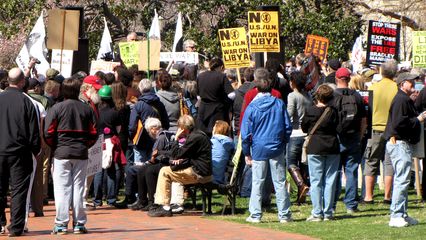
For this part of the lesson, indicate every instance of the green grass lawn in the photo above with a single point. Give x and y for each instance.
(370, 223)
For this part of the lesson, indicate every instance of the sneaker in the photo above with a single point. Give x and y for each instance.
(59, 230)
(313, 218)
(252, 220)
(287, 220)
(3, 230)
(80, 229)
(330, 218)
(411, 221)
(160, 212)
(398, 222)
(352, 211)
(177, 209)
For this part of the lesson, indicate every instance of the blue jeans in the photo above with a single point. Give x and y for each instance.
(141, 155)
(400, 155)
(278, 172)
(323, 174)
(247, 183)
(350, 158)
(111, 185)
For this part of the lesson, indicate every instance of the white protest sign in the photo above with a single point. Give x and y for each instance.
(103, 66)
(66, 67)
(95, 157)
(188, 57)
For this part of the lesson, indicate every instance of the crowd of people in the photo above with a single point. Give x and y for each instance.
(181, 126)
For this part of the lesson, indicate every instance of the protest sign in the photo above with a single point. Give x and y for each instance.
(187, 57)
(234, 45)
(317, 45)
(419, 49)
(137, 53)
(103, 66)
(95, 157)
(264, 31)
(62, 29)
(383, 42)
(66, 67)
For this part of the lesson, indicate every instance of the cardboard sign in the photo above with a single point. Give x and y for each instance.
(95, 157)
(419, 49)
(62, 29)
(383, 42)
(264, 31)
(187, 57)
(317, 45)
(66, 67)
(103, 66)
(234, 45)
(137, 53)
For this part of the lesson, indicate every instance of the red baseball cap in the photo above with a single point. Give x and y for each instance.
(94, 81)
(343, 73)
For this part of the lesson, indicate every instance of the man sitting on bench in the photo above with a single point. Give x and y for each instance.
(191, 164)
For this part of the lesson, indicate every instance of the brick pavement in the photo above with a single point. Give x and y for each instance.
(110, 223)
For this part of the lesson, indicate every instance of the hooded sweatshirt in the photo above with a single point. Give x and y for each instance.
(170, 100)
(265, 128)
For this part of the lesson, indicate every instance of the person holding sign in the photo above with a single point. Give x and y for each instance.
(70, 130)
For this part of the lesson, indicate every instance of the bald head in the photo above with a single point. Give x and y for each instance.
(132, 37)
(15, 76)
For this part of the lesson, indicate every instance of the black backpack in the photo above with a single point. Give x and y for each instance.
(347, 112)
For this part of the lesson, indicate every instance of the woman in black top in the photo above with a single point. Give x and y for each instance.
(323, 153)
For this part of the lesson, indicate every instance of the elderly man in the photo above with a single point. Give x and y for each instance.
(402, 130)
(20, 139)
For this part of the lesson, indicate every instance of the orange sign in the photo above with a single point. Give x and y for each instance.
(317, 45)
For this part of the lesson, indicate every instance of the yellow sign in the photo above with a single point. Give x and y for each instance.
(419, 49)
(235, 52)
(317, 45)
(264, 31)
(132, 53)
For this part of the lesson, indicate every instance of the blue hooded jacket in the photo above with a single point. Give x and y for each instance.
(265, 128)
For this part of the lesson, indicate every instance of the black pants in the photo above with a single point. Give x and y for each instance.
(18, 168)
(147, 182)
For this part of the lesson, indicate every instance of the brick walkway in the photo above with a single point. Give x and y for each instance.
(110, 223)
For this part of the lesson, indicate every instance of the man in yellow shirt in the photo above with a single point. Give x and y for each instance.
(383, 94)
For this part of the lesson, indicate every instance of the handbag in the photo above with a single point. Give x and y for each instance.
(304, 158)
(184, 110)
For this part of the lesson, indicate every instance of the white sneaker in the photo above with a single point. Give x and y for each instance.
(313, 218)
(286, 220)
(411, 221)
(398, 222)
(252, 220)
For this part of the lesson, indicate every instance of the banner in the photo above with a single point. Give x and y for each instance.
(234, 45)
(356, 55)
(154, 31)
(264, 31)
(34, 47)
(103, 66)
(187, 57)
(419, 49)
(95, 157)
(383, 42)
(178, 40)
(317, 45)
(66, 68)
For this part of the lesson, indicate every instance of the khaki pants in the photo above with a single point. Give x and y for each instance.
(167, 176)
(38, 189)
(46, 170)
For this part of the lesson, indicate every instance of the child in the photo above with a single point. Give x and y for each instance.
(222, 149)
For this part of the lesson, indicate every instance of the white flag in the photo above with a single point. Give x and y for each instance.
(35, 47)
(177, 43)
(154, 31)
(105, 52)
(356, 56)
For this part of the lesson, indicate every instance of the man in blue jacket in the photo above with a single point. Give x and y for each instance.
(265, 130)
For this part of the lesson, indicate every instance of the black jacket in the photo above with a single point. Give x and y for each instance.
(70, 129)
(198, 150)
(402, 121)
(19, 127)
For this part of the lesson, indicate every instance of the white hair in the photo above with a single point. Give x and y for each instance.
(152, 123)
(145, 85)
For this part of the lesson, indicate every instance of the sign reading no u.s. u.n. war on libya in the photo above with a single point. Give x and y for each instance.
(264, 31)
(234, 45)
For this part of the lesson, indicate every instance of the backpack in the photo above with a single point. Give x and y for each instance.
(347, 112)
